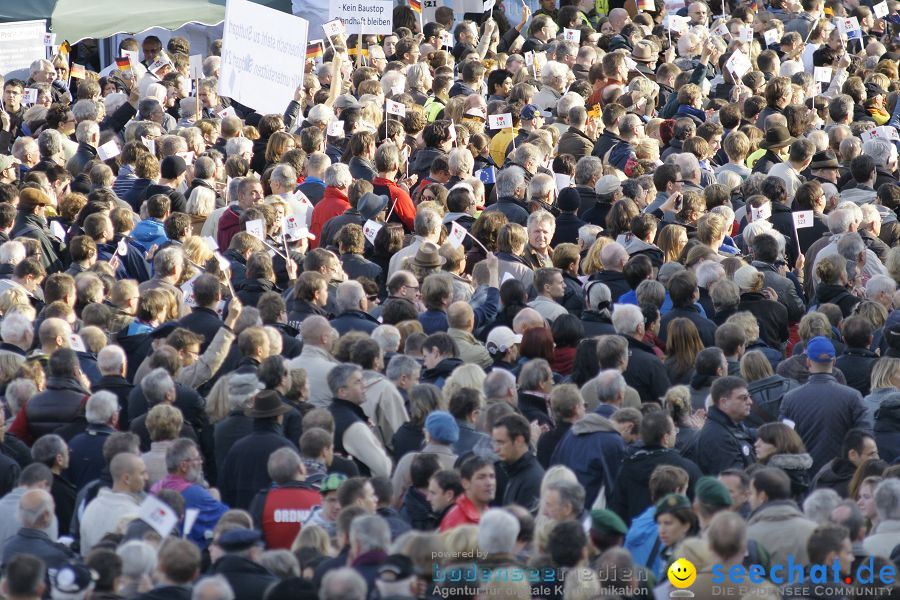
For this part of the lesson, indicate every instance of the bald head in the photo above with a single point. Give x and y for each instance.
(36, 509)
(526, 319)
(617, 18)
(613, 257)
(314, 330)
(54, 333)
(461, 316)
(128, 473)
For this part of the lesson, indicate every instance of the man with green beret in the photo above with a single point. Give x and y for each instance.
(710, 497)
(607, 529)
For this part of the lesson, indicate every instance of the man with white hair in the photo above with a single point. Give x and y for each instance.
(351, 301)
(498, 531)
(35, 513)
(613, 257)
(555, 78)
(334, 200)
(343, 584)
(645, 372)
(87, 133)
(214, 587)
(86, 449)
(113, 366)
(883, 538)
(870, 230)
(842, 222)
(541, 227)
(17, 333)
(879, 288)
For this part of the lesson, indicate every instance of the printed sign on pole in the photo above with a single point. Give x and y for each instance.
(763, 212)
(371, 229)
(30, 96)
(333, 27)
(822, 74)
(772, 37)
(374, 16)
(256, 228)
(880, 10)
(196, 66)
(738, 64)
(108, 150)
(802, 219)
(395, 108)
(502, 121)
(336, 129)
(158, 515)
(572, 35)
(457, 235)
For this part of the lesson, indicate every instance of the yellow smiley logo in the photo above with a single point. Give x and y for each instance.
(682, 573)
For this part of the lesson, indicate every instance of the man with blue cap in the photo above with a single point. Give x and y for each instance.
(822, 411)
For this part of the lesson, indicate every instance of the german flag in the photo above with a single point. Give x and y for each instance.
(416, 5)
(123, 63)
(315, 49)
(77, 71)
(353, 51)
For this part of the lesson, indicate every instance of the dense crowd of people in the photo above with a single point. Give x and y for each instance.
(529, 309)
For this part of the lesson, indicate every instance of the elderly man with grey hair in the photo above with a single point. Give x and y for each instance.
(351, 302)
(881, 289)
(283, 183)
(555, 78)
(352, 435)
(370, 540)
(158, 387)
(35, 513)
(645, 372)
(86, 449)
(427, 227)
(844, 222)
(168, 264)
(511, 186)
(318, 338)
(498, 531)
(50, 145)
(87, 133)
(883, 538)
(344, 584)
(214, 587)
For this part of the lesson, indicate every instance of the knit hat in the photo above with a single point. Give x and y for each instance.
(442, 427)
(172, 167)
(569, 200)
(712, 492)
(604, 520)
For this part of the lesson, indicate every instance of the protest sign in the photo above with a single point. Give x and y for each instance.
(771, 37)
(572, 35)
(335, 129)
(371, 229)
(256, 228)
(562, 181)
(803, 218)
(263, 56)
(374, 17)
(196, 66)
(457, 235)
(21, 43)
(503, 121)
(486, 175)
(395, 108)
(158, 515)
(108, 150)
(333, 27)
(30, 96)
(76, 343)
(761, 213)
(738, 64)
(881, 9)
(822, 74)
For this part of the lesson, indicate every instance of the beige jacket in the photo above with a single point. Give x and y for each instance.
(384, 406)
(208, 364)
(470, 349)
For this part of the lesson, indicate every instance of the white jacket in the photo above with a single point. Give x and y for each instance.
(318, 364)
(104, 514)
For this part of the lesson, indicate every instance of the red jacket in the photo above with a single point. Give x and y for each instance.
(464, 513)
(404, 209)
(281, 510)
(332, 204)
(229, 225)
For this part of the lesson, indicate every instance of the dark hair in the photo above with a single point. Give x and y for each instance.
(63, 363)
(654, 426)
(567, 330)
(422, 467)
(856, 332)
(708, 361)
(566, 543)
(585, 365)
(108, 566)
(773, 481)
(24, 572)
(723, 386)
(449, 479)
(681, 287)
(464, 402)
(472, 465)
(441, 342)
(826, 538)
(638, 268)
(516, 426)
(854, 439)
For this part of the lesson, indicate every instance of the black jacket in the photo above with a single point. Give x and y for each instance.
(645, 372)
(177, 202)
(767, 394)
(547, 443)
(300, 309)
(595, 324)
(250, 290)
(204, 322)
(53, 251)
(439, 373)
(248, 580)
(59, 404)
(291, 346)
(407, 439)
(228, 431)
(535, 408)
(705, 327)
(835, 474)
(355, 266)
(166, 592)
(615, 281)
(334, 224)
(354, 320)
(191, 404)
(631, 493)
(857, 364)
(523, 485)
(64, 494)
(836, 294)
(238, 265)
(119, 386)
(241, 476)
(361, 168)
(887, 428)
(416, 510)
(722, 444)
(567, 226)
(37, 543)
(771, 315)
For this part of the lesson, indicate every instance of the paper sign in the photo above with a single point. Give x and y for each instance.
(738, 64)
(30, 96)
(191, 514)
(823, 74)
(630, 63)
(457, 235)
(374, 17)
(772, 37)
(224, 265)
(122, 248)
(336, 129)
(487, 175)
(57, 230)
(50, 38)
(227, 112)
(187, 156)
(158, 64)
(257, 228)
(880, 10)
(763, 212)
(76, 343)
(529, 58)
(488, 5)
(848, 26)
(196, 66)
(446, 39)
(887, 132)
(211, 242)
(721, 30)
(108, 150)
(500, 121)
(150, 143)
(404, 152)
(562, 181)
(395, 108)
(745, 33)
(158, 515)
(802, 219)
(397, 89)
(188, 289)
(371, 229)
(333, 28)
(572, 35)
(675, 23)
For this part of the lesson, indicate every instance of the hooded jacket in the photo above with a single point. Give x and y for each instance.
(634, 245)
(797, 468)
(149, 232)
(836, 475)
(593, 449)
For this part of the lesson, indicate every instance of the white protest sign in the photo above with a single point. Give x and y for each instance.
(887, 132)
(196, 66)
(802, 219)
(502, 121)
(880, 10)
(488, 5)
(188, 157)
(572, 35)
(76, 343)
(849, 27)
(738, 64)
(191, 514)
(21, 43)
(108, 150)
(772, 37)
(188, 289)
(721, 30)
(30, 96)
(158, 515)
(745, 33)
(452, 131)
(336, 129)
(372, 16)
(371, 229)
(333, 28)
(761, 213)
(529, 58)
(263, 56)
(224, 265)
(562, 181)
(457, 235)
(395, 108)
(150, 143)
(158, 64)
(122, 248)
(132, 56)
(822, 74)
(50, 38)
(227, 112)
(256, 228)
(57, 230)
(397, 89)
(675, 23)
(446, 39)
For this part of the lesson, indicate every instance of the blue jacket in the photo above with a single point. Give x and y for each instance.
(641, 537)
(149, 232)
(211, 510)
(593, 449)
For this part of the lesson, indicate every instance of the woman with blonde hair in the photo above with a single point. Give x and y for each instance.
(592, 263)
(14, 296)
(464, 376)
(883, 406)
(311, 546)
(688, 422)
(671, 240)
(198, 252)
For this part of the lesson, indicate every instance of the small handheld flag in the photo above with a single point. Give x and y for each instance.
(416, 5)
(123, 63)
(315, 49)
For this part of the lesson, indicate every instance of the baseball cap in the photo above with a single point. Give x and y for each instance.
(73, 578)
(332, 482)
(530, 111)
(501, 339)
(820, 349)
(346, 101)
